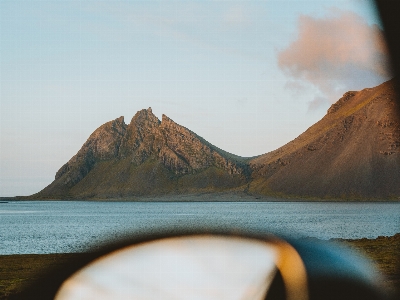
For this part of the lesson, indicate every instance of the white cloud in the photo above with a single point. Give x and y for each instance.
(337, 53)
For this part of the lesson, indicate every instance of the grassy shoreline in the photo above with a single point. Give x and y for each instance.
(384, 252)
(17, 270)
(216, 196)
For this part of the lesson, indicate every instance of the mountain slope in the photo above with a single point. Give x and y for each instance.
(353, 152)
(146, 157)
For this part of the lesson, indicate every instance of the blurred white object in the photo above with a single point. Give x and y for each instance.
(192, 267)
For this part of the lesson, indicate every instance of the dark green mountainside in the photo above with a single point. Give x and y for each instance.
(351, 153)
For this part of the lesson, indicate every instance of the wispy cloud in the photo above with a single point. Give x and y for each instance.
(337, 53)
(236, 15)
(190, 22)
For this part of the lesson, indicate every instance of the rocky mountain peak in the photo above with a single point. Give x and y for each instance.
(119, 125)
(164, 145)
(167, 124)
(338, 104)
(145, 117)
(353, 152)
(120, 120)
(165, 119)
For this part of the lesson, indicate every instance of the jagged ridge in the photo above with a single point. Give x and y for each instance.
(146, 145)
(351, 153)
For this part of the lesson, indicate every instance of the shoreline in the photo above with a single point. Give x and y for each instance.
(19, 270)
(238, 196)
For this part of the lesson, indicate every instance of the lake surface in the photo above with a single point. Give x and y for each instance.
(57, 226)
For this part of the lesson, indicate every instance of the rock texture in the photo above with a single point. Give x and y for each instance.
(146, 157)
(352, 153)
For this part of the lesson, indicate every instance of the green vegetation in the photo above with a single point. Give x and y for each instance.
(385, 253)
(19, 270)
(121, 179)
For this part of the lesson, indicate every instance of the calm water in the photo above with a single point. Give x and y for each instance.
(49, 227)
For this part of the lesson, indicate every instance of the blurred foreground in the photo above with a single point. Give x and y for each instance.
(18, 270)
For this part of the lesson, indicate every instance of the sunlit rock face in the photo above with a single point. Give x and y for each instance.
(148, 156)
(353, 152)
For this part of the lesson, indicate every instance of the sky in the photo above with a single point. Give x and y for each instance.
(247, 76)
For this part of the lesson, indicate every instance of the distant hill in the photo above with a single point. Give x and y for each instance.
(351, 153)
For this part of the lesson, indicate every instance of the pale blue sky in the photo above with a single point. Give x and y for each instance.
(215, 67)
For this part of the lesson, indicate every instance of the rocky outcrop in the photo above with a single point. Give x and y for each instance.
(164, 144)
(336, 106)
(351, 153)
(104, 143)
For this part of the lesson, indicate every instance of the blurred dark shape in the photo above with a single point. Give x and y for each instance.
(389, 11)
(333, 272)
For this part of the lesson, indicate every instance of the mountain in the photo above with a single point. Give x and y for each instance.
(146, 157)
(353, 152)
